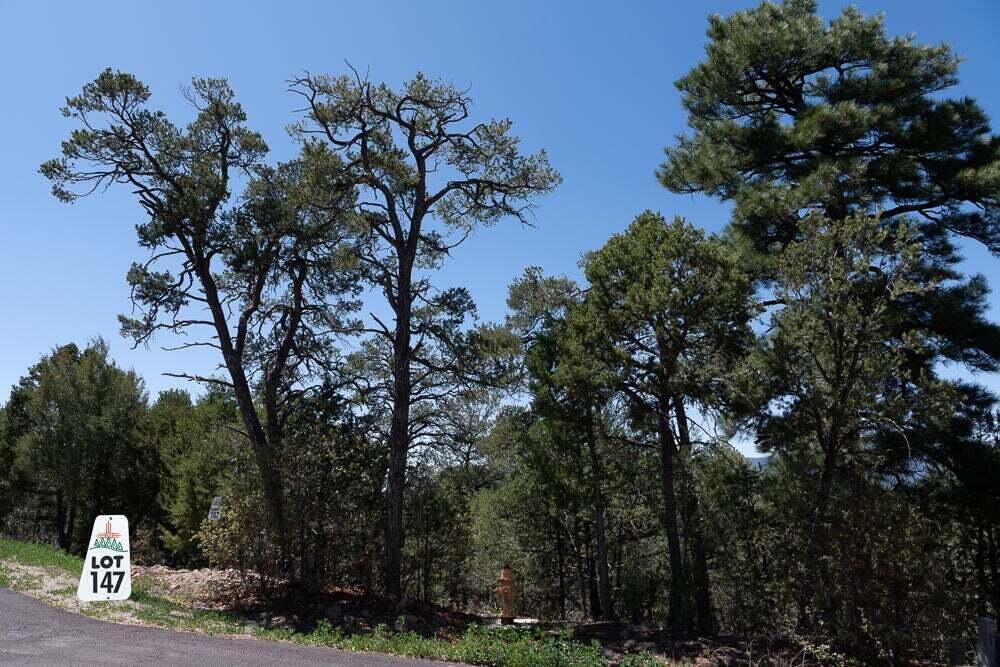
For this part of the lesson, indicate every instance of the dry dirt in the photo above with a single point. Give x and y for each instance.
(206, 588)
(49, 584)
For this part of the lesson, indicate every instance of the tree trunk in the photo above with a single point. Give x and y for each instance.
(592, 592)
(399, 434)
(704, 609)
(817, 534)
(994, 567)
(600, 529)
(264, 449)
(678, 618)
(61, 520)
(274, 504)
(603, 579)
(562, 573)
(71, 528)
(580, 555)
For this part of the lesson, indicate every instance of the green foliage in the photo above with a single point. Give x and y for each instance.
(334, 474)
(197, 448)
(498, 647)
(539, 518)
(827, 138)
(266, 283)
(791, 115)
(425, 180)
(831, 356)
(668, 305)
(748, 529)
(76, 424)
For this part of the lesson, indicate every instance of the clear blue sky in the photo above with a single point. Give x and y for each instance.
(591, 82)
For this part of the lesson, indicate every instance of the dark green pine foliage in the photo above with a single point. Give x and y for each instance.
(790, 115)
(793, 119)
(197, 445)
(75, 422)
(667, 312)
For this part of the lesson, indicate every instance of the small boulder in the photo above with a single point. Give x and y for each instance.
(407, 623)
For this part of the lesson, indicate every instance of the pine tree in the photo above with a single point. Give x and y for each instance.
(791, 116)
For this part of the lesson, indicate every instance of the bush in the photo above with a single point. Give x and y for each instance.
(332, 479)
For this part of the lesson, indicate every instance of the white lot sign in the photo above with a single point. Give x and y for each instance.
(215, 511)
(107, 571)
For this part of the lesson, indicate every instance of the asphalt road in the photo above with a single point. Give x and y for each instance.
(33, 633)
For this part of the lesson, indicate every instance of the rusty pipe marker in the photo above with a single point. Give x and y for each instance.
(107, 570)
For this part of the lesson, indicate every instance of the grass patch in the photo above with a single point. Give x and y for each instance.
(42, 555)
(496, 647)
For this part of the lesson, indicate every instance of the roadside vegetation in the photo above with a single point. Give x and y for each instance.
(23, 566)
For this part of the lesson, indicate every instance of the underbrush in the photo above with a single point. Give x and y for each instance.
(498, 647)
(469, 643)
(477, 645)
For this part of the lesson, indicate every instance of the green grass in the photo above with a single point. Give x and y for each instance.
(496, 647)
(42, 555)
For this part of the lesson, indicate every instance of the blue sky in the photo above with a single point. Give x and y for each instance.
(591, 82)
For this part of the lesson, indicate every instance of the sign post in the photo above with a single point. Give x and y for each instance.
(107, 570)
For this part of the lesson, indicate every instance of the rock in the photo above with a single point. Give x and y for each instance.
(410, 605)
(407, 623)
(334, 613)
(629, 645)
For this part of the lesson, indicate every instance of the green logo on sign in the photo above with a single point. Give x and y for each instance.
(108, 539)
(106, 543)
